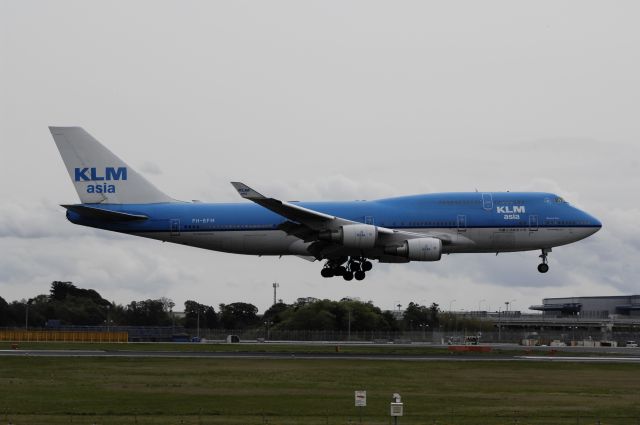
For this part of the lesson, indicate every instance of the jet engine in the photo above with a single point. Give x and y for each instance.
(420, 249)
(360, 236)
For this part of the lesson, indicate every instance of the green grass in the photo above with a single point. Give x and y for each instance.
(295, 391)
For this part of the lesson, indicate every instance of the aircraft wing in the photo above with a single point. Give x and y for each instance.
(312, 221)
(310, 218)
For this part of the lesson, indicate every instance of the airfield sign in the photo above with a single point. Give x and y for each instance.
(361, 398)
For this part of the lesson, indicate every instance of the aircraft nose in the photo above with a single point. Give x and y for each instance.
(593, 222)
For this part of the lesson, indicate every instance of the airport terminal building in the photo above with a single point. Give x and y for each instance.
(591, 307)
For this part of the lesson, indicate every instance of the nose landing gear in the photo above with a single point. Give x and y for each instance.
(544, 267)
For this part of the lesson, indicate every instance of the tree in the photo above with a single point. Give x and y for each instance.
(208, 316)
(238, 315)
(147, 313)
(434, 315)
(275, 312)
(5, 314)
(418, 316)
(308, 314)
(71, 305)
(60, 291)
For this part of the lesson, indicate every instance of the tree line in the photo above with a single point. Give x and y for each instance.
(67, 304)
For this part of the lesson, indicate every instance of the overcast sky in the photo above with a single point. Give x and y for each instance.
(322, 100)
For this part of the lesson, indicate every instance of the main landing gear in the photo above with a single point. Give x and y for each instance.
(355, 268)
(544, 267)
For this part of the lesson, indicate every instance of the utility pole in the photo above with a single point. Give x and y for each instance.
(275, 285)
(108, 307)
(499, 324)
(26, 316)
(349, 329)
(173, 320)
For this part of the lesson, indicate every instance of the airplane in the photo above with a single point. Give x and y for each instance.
(347, 236)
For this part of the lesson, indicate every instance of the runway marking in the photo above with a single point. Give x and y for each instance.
(582, 359)
(310, 356)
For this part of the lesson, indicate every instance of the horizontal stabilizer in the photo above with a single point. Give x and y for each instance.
(101, 214)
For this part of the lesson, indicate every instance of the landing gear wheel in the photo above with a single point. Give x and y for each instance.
(348, 276)
(359, 275)
(544, 267)
(354, 267)
(366, 266)
(340, 271)
(327, 272)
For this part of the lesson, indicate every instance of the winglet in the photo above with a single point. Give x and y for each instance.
(246, 192)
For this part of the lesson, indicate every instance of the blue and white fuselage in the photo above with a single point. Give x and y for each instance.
(346, 234)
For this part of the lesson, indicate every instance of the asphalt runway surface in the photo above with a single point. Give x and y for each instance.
(467, 357)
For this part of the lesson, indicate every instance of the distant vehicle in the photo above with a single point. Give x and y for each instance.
(454, 340)
(471, 340)
(631, 344)
(347, 235)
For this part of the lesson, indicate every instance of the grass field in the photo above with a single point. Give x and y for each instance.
(295, 391)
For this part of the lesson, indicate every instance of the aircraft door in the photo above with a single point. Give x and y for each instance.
(533, 223)
(462, 223)
(174, 224)
(369, 220)
(487, 201)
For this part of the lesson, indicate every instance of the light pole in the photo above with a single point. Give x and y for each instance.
(198, 324)
(173, 322)
(267, 324)
(507, 303)
(424, 327)
(349, 328)
(108, 307)
(26, 316)
(275, 285)
(499, 319)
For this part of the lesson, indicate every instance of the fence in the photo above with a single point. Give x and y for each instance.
(545, 336)
(62, 336)
(165, 334)
(134, 333)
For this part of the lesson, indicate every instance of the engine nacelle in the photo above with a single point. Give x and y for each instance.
(359, 236)
(420, 249)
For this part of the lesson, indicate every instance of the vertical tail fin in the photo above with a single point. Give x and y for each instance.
(98, 175)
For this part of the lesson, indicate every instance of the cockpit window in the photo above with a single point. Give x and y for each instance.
(559, 200)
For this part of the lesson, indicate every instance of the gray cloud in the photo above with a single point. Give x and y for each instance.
(149, 167)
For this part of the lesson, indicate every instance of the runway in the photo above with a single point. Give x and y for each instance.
(318, 356)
